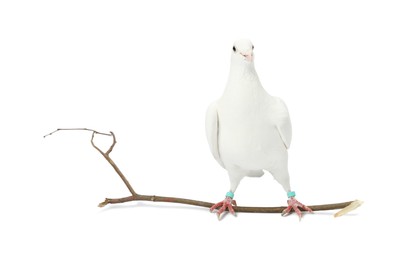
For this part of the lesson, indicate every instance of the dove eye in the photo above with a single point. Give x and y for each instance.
(252, 46)
(234, 49)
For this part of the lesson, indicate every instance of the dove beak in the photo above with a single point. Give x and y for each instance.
(248, 56)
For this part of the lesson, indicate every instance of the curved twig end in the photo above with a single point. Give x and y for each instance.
(104, 203)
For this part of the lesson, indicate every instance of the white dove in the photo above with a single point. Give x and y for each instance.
(249, 131)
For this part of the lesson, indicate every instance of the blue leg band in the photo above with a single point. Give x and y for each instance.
(230, 194)
(291, 194)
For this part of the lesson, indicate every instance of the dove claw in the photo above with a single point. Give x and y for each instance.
(219, 204)
(286, 211)
(295, 205)
(225, 206)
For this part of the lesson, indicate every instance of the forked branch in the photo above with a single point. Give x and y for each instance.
(153, 198)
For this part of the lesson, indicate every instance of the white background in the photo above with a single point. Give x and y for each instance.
(147, 72)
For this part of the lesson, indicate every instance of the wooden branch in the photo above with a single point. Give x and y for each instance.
(112, 163)
(153, 198)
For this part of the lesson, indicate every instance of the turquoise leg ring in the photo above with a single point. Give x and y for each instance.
(230, 194)
(291, 194)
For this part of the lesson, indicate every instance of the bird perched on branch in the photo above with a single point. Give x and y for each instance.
(249, 131)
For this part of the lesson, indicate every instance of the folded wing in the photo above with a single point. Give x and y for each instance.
(211, 128)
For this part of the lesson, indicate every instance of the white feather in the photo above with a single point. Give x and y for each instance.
(283, 123)
(211, 129)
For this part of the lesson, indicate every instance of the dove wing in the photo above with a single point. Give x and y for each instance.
(282, 121)
(211, 129)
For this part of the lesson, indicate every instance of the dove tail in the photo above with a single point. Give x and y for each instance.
(258, 173)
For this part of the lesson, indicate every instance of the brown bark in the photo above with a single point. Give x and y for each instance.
(154, 198)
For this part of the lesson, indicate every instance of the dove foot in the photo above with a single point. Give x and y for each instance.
(227, 203)
(295, 205)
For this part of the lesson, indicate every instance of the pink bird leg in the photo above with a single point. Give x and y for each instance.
(227, 203)
(295, 205)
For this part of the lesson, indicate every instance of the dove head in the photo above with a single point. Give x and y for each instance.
(242, 53)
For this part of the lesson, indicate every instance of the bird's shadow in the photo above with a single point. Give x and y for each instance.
(150, 205)
(327, 213)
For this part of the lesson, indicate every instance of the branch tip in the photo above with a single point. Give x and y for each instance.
(104, 203)
(78, 129)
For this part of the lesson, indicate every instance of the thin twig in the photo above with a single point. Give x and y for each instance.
(112, 163)
(76, 129)
(113, 143)
(153, 198)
